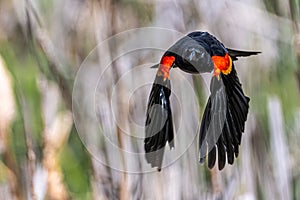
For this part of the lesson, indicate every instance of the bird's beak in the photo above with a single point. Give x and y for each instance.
(155, 66)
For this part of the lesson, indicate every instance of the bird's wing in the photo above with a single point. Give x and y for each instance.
(159, 125)
(223, 121)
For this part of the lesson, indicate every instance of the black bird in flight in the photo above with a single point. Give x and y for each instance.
(226, 111)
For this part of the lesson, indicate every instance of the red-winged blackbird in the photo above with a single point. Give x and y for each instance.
(226, 111)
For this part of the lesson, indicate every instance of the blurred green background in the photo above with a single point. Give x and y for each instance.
(42, 45)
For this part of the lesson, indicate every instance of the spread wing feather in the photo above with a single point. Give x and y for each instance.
(159, 125)
(223, 121)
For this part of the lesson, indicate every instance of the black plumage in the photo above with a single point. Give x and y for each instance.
(224, 117)
(159, 125)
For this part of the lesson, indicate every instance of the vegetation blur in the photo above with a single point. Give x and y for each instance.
(42, 46)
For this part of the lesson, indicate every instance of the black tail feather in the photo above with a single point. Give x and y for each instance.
(234, 54)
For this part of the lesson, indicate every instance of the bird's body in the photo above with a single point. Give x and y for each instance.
(226, 111)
